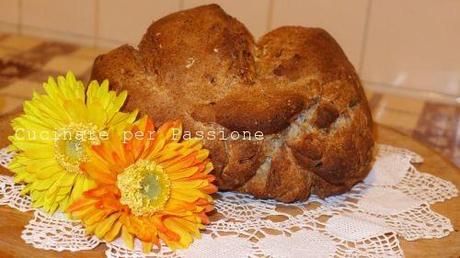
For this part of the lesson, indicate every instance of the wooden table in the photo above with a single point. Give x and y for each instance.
(12, 221)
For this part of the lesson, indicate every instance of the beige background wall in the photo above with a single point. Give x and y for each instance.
(409, 46)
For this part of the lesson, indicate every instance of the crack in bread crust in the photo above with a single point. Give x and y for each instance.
(294, 84)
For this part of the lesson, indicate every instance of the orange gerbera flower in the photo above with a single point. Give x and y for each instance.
(150, 186)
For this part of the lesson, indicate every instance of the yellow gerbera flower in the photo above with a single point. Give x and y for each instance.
(151, 186)
(53, 134)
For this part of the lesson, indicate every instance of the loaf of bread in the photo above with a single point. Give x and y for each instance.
(294, 85)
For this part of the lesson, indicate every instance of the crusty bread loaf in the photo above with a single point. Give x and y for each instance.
(295, 85)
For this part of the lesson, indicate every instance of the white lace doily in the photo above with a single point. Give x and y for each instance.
(393, 201)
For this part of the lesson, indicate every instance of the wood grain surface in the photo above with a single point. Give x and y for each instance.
(12, 222)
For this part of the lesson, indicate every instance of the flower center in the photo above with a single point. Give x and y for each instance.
(145, 187)
(73, 149)
(71, 143)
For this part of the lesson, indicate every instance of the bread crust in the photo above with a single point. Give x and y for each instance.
(294, 84)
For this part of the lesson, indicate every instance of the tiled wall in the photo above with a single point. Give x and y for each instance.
(394, 45)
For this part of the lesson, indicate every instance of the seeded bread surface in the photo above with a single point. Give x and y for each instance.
(294, 84)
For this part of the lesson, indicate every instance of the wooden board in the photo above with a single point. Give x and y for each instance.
(12, 222)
